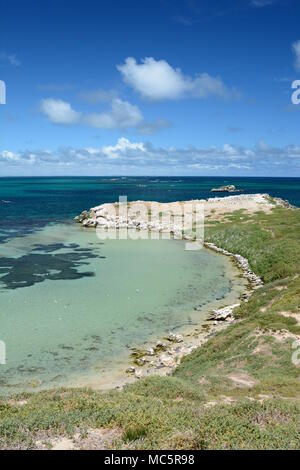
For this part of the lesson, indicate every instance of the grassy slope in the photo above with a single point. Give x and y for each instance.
(200, 406)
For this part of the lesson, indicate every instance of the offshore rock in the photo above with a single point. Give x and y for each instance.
(230, 188)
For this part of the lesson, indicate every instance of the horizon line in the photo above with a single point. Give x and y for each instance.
(147, 176)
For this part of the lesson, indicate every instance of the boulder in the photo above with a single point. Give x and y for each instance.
(230, 188)
(166, 361)
(223, 314)
(138, 374)
(82, 217)
(174, 338)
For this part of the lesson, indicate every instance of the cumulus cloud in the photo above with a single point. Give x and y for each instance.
(121, 116)
(296, 49)
(59, 111)
(6, 155)
(123, 147)
(157, 80)
(126, 157)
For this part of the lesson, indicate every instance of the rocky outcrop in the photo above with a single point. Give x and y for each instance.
(108, 216)
(111, 216)
(172, 337)
(242, 263)
(223, 314)
(83, 217)
(283, 203)
(230, 188)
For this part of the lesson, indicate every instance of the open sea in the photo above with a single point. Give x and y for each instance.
(27, 203)
(72, 306)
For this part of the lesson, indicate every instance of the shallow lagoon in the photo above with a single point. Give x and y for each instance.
(71, 305)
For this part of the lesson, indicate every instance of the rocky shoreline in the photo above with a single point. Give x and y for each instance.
(164, 356)
(242, 263)
(120, 215)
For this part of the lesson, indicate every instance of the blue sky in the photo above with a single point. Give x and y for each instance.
(164, 87)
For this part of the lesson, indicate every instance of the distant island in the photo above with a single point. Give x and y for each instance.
(230, 188)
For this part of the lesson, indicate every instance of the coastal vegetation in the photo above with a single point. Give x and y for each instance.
(240, 390)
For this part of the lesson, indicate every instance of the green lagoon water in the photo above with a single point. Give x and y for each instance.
(72, 305)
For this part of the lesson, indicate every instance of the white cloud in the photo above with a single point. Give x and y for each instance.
(296, 49)
(121, 116)
(153, 79)
(9, 156)
(126, 157)
(122, 147)
(59, 111)
(157, 80)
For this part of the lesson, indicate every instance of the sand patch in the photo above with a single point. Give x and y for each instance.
(97, 439)
(62, 443)
(17, 402)
(292, 315)
(55, 443)
(284, 335)
(224, 400)
(92, 439)
(211, 404)
(263, 348)
(279, 335)
(262, 397)
(264, 309)
(242, 380)
(203, 381)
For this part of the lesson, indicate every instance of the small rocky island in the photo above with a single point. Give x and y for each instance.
(230, 188)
